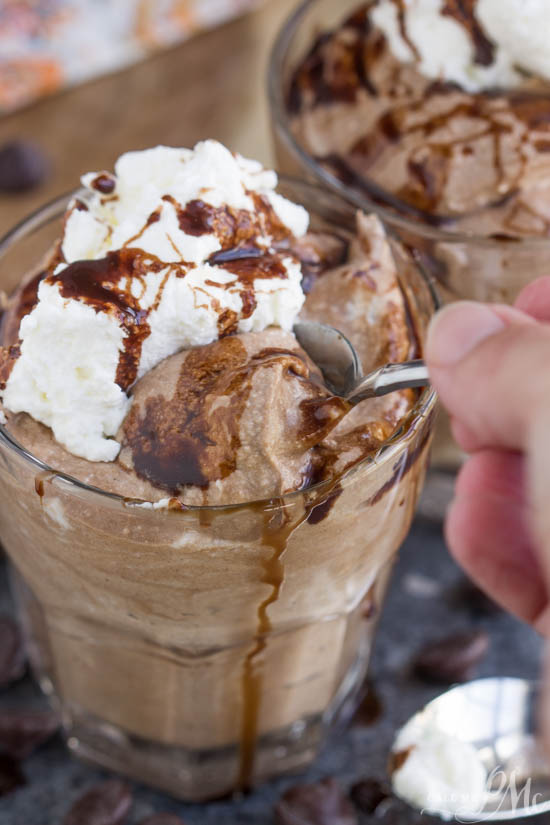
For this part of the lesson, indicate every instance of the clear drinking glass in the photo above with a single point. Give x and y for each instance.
(205, 649)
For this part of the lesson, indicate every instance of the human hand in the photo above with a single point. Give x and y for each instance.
(491, 367)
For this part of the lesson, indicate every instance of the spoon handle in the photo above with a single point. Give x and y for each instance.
(390, 378)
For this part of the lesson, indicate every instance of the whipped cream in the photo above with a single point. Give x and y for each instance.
(439, 772)
(445, 47)
(179, 236)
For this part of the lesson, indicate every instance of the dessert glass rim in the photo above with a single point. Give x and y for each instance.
(281, 119)
(425, 403)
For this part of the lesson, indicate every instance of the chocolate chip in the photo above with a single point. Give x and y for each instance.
(12, 653)
(370, 708)
(11, 775)
(105, 804)
(22, 166)
(369, 793)
(468, 595)
(162, 819)
(453, 659)
(22, 731)
(322, 803)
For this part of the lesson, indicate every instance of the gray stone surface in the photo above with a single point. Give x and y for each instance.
(421, 605)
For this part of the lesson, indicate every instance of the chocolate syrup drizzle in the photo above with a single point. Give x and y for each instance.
(463, 11)
(107, 284)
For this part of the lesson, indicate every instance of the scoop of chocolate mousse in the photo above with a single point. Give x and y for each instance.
(439, 151)
(232, 421)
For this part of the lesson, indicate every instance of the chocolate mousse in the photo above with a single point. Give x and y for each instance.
(440, 111)
(202, 533)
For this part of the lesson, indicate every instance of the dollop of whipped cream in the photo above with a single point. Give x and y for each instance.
(437, 771)
(175, 249)
(479, 44)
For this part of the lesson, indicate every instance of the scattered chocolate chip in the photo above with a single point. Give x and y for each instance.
(452, 659)
(22, 731)
(322, 803)
(370, 708)
(105, 804)
(23, 166)
(12, 652)
(162, 819)
(369, 793)
(11, 775)
(473, 598)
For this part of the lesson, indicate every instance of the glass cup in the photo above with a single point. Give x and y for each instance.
(465, 265)
(205, 649)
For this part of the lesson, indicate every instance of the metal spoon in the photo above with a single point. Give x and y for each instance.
(497, 717)
(337, 359)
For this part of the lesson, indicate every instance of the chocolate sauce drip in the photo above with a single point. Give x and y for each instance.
(277, 530)
(105, 285)
(40, 481)
(323, 78)
(403, 466)
(249, 264)
(401, 19)
(463, 11)
(232, 227)
(279, 527)
(319, 417)
(197, 218)
(154, 217)
(320, 511)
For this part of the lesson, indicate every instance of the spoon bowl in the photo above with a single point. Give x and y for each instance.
(340, 364)
(496, 717)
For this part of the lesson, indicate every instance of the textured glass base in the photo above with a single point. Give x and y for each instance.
(198, 775)
(190, 775)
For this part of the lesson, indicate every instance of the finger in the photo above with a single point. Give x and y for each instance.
(464, 437)
(488, 364)
(538, 481)
(534, 299)
(487, 533)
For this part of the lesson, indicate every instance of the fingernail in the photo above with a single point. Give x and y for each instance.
(457, 329)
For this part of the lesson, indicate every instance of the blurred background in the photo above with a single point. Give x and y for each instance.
(212, 85)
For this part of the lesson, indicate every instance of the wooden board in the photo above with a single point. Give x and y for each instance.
(211, 86)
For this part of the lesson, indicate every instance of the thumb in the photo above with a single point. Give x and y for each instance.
(490, 365)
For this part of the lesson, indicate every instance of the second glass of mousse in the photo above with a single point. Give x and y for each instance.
(434, 113)
(201, 534)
